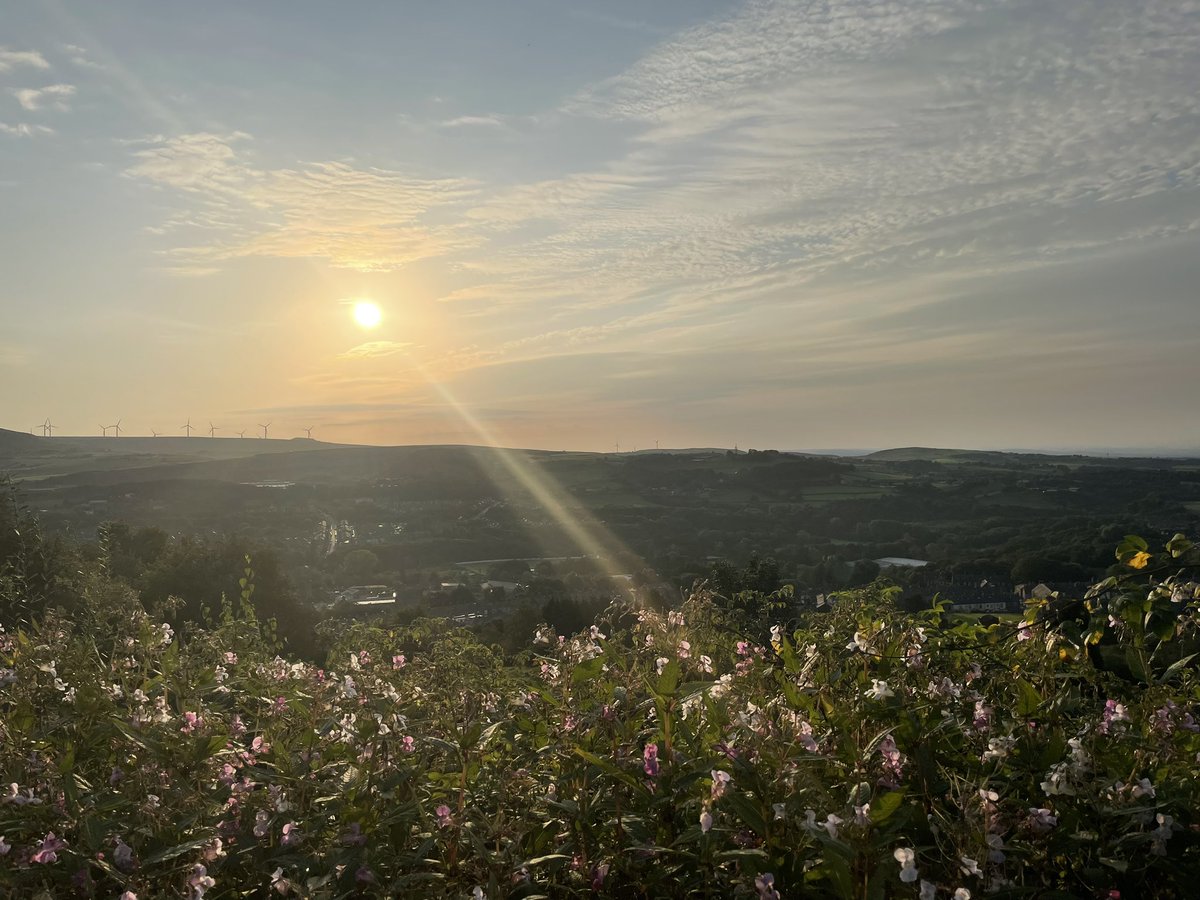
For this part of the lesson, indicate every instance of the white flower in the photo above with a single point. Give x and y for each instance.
(1143, 789)
(970, 867)
(928, 891)
(906, 857)
(879, 690)
(706, 820)
(831, 824)
(962, 894)
(860, 644)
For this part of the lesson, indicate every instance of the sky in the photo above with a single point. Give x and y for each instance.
(589, 225)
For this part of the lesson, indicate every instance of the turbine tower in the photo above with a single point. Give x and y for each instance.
(104, 429)
(116, 428)
(187, 427)
(212, 430)
(153, 433)
(308, 431)
(264, 428)
(241, 433)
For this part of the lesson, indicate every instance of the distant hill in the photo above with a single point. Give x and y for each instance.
(16, 440)
(903, 454)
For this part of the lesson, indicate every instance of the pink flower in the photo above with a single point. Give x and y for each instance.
(47, 851)
(123, 856)
(213, 850)
(1114, 715)
(408, 743)
(398, 661)
(765, 884)
(893, 761)
(650, 759)
(191, 721)
(720, 783)
(280, 884)
(291, 834)
(685, 649)
(443, 816)
(200, 881)
(983, 716)
(598, 876)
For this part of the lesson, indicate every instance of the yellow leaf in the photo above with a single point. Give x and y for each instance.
(1139, 560)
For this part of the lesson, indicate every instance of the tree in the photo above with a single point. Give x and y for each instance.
(31, 568)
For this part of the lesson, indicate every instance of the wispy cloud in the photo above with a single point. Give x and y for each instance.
(374, 350)
(364, 219)
(53, 95)
(490, 121)
(80, 57)
(791, 142)
(24, 129)
(12, 59)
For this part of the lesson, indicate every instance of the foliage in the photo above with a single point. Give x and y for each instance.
(860, 752)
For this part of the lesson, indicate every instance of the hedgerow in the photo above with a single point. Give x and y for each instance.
(700, 752)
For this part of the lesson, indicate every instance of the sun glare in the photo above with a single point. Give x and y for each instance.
(367, 314)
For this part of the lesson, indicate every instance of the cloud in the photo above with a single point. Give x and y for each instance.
(474, 121)
(374, 350)
(24, 129)
(79, 56)
(792, 143)
(11, 59)
(36, 98)
(364, 219)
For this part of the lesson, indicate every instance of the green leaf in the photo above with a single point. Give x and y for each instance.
(177, 850)
(668, 680)
(1179, 545)
(1028, 699)
(541, 860)
(885, 806)
(750, 814)
(1176, 667)
(587, 670)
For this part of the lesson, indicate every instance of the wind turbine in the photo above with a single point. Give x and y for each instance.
(308, 431)
(104, 429)
(264, 428)
(212, 430)
(117, 427)
(153, 433)
(241, 433)
(187, 427)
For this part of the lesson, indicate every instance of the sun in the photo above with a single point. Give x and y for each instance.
(367, 314)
